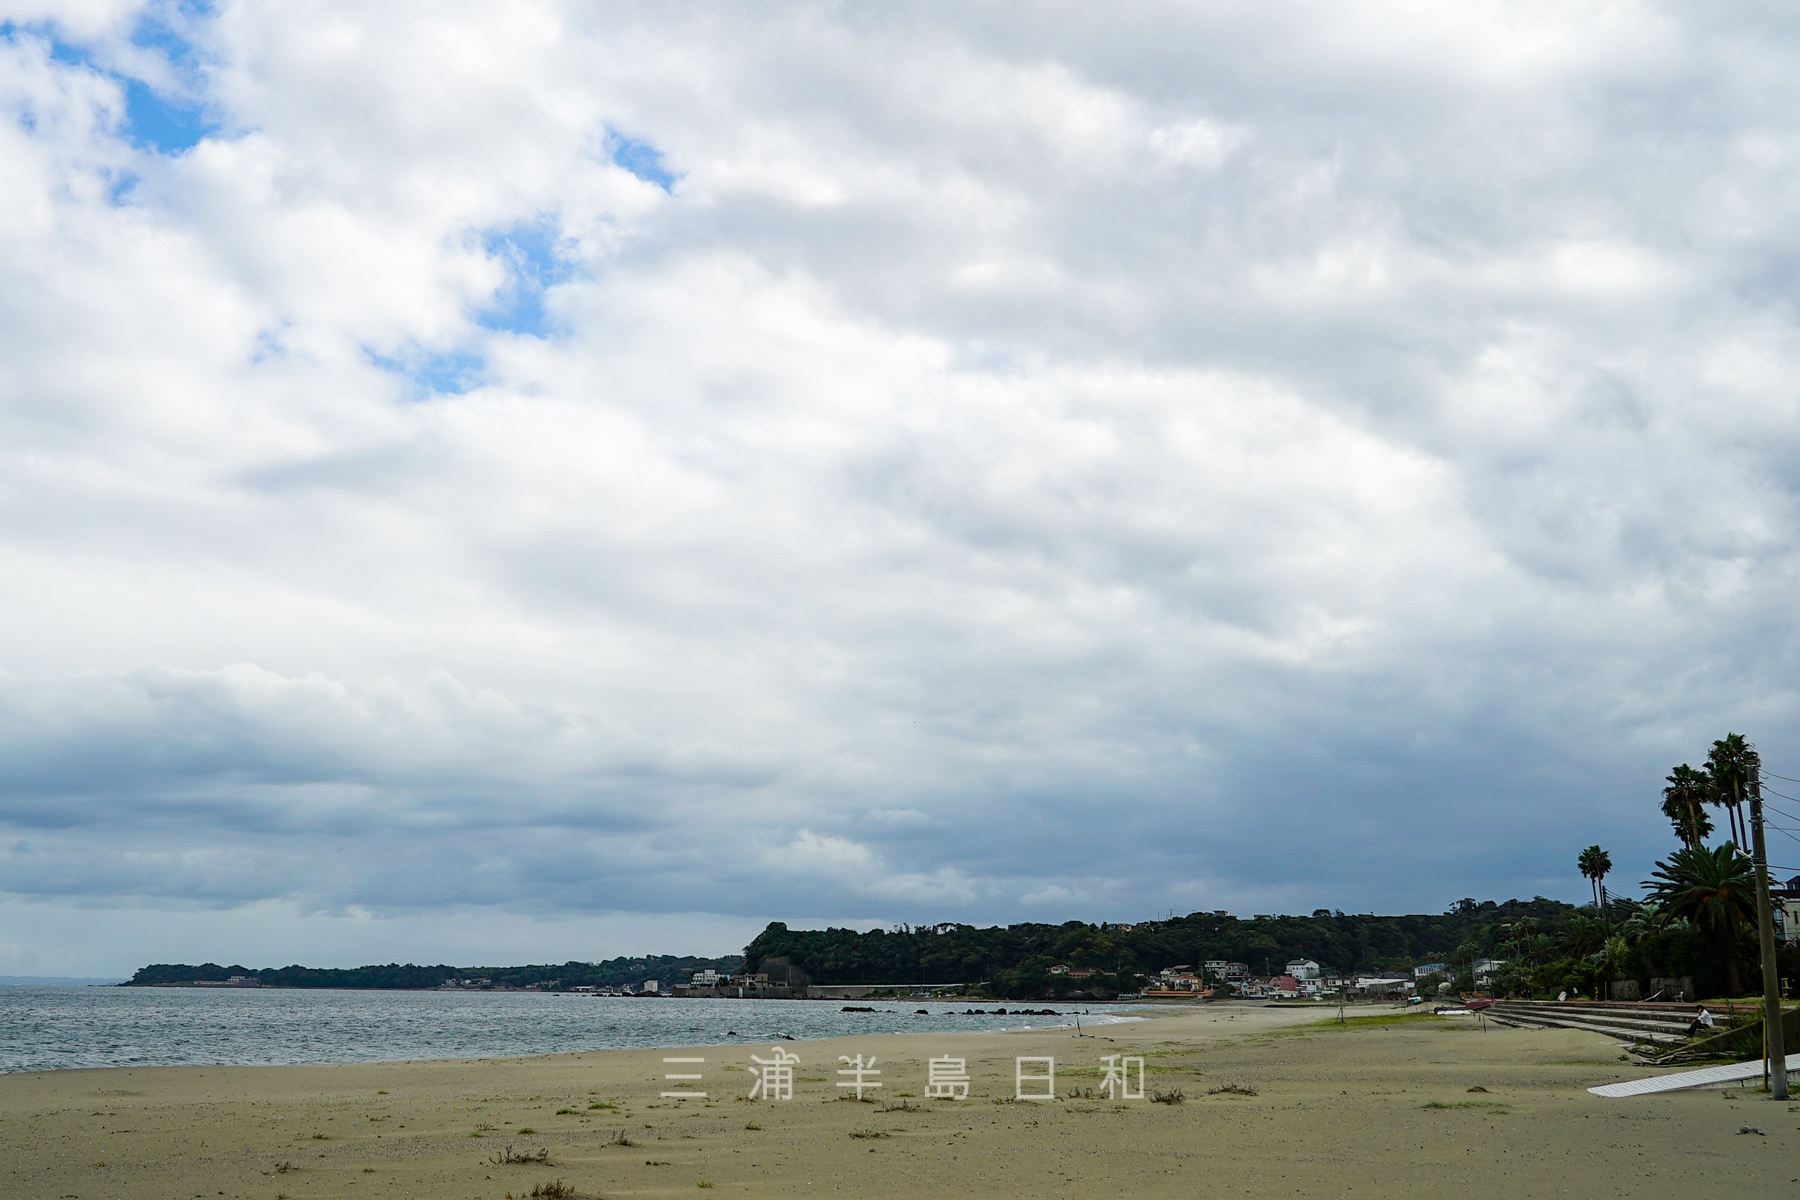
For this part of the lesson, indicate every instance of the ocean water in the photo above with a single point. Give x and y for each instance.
(56, 1028)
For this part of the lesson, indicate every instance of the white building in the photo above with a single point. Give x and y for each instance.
(1303, 969)
(1424, 969)
(1234, 973)
(1785, 908)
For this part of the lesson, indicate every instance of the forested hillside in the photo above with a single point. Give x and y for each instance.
(1016, 958)
(615, 972)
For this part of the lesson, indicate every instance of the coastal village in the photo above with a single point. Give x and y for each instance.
(1300, 979)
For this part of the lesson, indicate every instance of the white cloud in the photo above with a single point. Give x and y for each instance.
(986, 458)
(1198, 143)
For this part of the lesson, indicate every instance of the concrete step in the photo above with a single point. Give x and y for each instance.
(1621, 1029)
(1660, 1020)
(1632, 1036)
(1661, 1033)
(1633, 1012)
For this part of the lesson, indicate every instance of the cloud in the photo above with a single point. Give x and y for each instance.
(532, 460)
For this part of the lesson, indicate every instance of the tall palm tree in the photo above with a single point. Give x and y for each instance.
(1685, 801)
(1595, 863)
(1523, 931)
(1713, 887)
(1736, 770)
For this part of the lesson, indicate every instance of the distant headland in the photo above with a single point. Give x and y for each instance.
(616, 974)
(1212, 953)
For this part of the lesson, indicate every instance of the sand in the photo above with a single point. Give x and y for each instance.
(1379, 1109)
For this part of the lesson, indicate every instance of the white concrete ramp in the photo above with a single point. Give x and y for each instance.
(1749, 1073)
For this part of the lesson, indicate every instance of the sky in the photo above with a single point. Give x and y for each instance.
(526, 481)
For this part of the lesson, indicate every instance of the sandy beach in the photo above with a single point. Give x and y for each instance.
(1370, 1109)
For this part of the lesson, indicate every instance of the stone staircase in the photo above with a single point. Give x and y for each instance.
(1639, 1024)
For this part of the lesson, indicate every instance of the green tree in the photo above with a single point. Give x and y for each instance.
(1684, 803)
(1523, 934)
(1641, 921)
(1581, 936)
(1595, 863)
(1712, 887)
(1736, 771)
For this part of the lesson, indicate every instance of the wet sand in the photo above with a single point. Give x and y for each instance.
(1374, 1109)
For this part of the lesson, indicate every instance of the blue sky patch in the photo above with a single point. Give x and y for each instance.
(164, 124)
(533, 252)
(167, 124)
(449, 374)
(120, 187)
(154, 32)
(161, 121)
(640, 158)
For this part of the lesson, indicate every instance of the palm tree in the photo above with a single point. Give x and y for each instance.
(1581, 936)
(1524, 933)
(1715, 888)
(1685, 801)
(1642, 920)
(1595, 863)
(1736, 770)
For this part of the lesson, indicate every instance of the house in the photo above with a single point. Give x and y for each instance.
(1424, 969)
(1784, 907)
(784, 982)
(706, 978)
(1303, 968)
(1485, 969)
(1234, 973)
(1392, 987)
(1170, 985)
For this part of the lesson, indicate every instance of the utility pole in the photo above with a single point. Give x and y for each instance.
(1775, 1037)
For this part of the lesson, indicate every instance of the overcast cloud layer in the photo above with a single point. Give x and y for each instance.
(533, 480)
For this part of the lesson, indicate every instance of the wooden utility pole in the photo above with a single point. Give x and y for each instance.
(1775, 1039)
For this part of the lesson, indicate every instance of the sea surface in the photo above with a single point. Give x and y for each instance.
(56, 1028)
